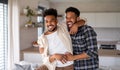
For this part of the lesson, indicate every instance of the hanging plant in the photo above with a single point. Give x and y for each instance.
(29, 14)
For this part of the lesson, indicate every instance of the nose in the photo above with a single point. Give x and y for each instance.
(49, 23)
(68, 19)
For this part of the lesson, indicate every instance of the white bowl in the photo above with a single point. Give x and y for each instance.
(34, 45)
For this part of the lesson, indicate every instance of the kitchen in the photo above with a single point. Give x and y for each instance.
(103, 15)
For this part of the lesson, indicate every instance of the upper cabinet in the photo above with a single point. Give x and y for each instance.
(118, 19)
(90, 17)
(106, 20)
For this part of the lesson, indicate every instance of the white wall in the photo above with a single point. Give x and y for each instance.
(108, 34)
(88, 6)
(104, 34)
(44, 3)
(28, 35)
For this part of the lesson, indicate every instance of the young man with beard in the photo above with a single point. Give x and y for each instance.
(84, 42)
(55, 43)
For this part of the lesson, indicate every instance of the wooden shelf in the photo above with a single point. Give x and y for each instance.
(34, 25)
(22, 14)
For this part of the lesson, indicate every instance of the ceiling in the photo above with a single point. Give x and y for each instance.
(83, 1)
(87, 5)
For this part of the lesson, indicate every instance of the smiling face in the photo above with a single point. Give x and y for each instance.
(51, 23)
(71, 18)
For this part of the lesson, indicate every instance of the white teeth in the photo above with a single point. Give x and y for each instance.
(50, 26)
(70, 24)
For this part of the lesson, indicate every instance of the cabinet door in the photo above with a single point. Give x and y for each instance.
(90, 17)
(33, 57)
(118, 19)
(117, 61)
(106, 20)
(107, 61)
(118, 46)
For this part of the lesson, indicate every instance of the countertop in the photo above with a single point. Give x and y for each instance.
(108, 53)
(31, 50)
(109, 42)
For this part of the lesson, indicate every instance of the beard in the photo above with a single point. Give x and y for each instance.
(51, 29)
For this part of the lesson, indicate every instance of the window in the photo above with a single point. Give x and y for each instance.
(40, 20)
(3, 34)
(40, 29)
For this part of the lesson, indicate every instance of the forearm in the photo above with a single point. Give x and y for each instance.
(92, 50)
(80, 56)
(41, 50)
(51, 58)
(74, 28)
(80, 23)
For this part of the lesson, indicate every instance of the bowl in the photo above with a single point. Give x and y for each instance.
(35, 45)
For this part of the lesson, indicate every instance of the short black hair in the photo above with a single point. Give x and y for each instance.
(50, 11)
(73, 9)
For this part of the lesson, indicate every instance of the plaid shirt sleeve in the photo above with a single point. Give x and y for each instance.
(91, 42)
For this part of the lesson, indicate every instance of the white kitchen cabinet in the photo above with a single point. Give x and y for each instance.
(118, 46)
(109, 61)
(32, 57)
(90, 18)
(117, 61)
(106, 19)
(118, 19)
(109, 58)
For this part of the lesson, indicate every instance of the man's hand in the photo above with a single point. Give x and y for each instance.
(74, 29)
(70, 57)
(41, 50)
(60, 57)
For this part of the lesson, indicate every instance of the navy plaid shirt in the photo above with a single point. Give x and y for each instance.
(85, 41)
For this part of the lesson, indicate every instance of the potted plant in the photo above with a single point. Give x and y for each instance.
(29, 14)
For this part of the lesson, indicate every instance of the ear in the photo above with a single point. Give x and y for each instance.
(78, 18)
(56, 20)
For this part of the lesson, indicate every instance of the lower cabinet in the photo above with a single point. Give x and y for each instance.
(118, 46)
(109, 61)
(32, 57)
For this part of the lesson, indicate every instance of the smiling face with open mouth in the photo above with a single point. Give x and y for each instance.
(51, 23)
(71, 18)
(69, 23)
